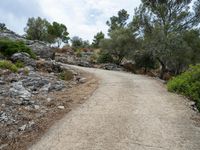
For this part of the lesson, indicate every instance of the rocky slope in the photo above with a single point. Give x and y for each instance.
(36, 95)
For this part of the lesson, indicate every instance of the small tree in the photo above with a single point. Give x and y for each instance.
(77, 42)
(37, 29)
(144, 59)
(159, 21)
(57, 33)
(97, 38)
(119, 21)
(120, 44)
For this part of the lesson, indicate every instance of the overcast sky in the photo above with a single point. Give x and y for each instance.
(83, 18)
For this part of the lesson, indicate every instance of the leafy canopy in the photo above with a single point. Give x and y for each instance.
(97, 39)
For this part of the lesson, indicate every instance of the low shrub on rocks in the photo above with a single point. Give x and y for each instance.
(19, 64)
(188, 84)
(66, 75)
(9, 47)
(5, 64)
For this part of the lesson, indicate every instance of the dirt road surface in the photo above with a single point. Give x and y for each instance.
(126, 112)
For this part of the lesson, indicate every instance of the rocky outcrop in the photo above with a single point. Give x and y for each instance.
(25, 58)
(110, 66)
(41, 49)
(48, 66)
(70, 57)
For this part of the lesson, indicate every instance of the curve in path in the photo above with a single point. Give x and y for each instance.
(126, 112)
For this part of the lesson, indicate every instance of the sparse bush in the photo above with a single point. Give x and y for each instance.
(4, 64)
(19, 64)
(66, 75)
(78, 53)
(26, 71)
(188, 84)
(105, 57)
(9, 47)
(93, 58)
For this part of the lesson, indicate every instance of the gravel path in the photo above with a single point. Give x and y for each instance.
(126, 112)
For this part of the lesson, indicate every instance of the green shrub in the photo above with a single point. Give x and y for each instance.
(66, 75)
(4, 64)
(188, 84)
(105, 57)
(9, 47)
(19, 64)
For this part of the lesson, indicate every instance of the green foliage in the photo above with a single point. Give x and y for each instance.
(162, 25)
(9, 47)
(120, 44)
(105, 57)
(192, 38)
(97, 38)
(93, 58)
(143, 59)
(58, 33)
(4, 64)
(37, 29)
(40, 29)
(119, 21)
(66, 75)
(19, 64)
(188, 84)
(79, 43)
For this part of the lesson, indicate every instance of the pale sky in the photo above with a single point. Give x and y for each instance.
(83, 18)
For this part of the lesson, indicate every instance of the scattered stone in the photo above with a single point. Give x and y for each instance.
(111, 66)
(22, 128)
(49, 99)
(61, 107)
(3, 146)
(57, 86)
(36, 107)
(30, 124)
(82, 80)
(2, 82)
(28, 108)
(3, 117)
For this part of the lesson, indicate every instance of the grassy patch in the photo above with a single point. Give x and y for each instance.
(188, 84)
(4, 64)
(19, 64)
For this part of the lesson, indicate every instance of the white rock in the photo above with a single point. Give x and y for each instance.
(22, 128)
(82, 80)
(37, 107)
(61, 107)
(49, 99)
(19, 90)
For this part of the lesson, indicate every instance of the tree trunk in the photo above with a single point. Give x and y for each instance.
(163, 69)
